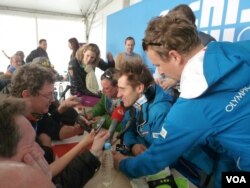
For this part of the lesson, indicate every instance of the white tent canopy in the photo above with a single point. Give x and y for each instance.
(24, 22)
(73, 8)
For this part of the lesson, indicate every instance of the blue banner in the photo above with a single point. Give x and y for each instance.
(225, 20)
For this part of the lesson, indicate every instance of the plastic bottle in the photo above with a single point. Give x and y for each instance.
(107, 165)
(60, 90)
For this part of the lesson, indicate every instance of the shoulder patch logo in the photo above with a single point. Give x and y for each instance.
(163, 132)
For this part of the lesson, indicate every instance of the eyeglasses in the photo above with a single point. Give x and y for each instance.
(49, 97)
(145, 44)
(107, 75)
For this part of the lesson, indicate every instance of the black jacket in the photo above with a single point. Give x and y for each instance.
(79, 171)
(39, 52)
(104, 66)
(78, 79)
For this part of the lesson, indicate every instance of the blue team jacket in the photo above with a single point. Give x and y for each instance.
(154, 112)
(214, 103)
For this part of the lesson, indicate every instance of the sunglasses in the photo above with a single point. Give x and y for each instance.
(107, 75)
(145, 44)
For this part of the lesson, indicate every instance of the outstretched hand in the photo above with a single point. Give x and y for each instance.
(97, 146)
(69, 102)
(118, 157)
(138, 149)
(88, 139)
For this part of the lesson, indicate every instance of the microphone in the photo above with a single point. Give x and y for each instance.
(117, 116)
(120, 134)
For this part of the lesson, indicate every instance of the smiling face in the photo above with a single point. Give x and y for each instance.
(129, 45)
(127, 93)
(89, 57)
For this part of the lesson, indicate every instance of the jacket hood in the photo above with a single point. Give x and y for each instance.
(219, 66)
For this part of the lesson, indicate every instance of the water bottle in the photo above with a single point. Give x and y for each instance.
(107, 165)
(60, 90)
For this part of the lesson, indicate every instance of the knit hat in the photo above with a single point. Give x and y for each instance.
(44, 61)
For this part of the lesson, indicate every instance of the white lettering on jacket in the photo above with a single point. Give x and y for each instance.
(237, 98)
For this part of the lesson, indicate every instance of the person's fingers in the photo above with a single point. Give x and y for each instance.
(28, 159)
(41, 162)
(103, 134)
(92, 133)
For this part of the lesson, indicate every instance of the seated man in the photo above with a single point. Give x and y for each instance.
(108, 102)
(148, 104)
(48, 124)
(35, 84)
(15, 63)
(21, 172)
(56, 125)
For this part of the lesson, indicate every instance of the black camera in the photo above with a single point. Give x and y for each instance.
(96, 126)
(122, 149)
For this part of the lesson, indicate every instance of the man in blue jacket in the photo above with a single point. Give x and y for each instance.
(147, 105)
(214, 100)
(147, 102)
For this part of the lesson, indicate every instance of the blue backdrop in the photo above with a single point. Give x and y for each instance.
(225, 20)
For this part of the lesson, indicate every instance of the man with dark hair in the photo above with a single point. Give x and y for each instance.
(39, 52)
(128, 55)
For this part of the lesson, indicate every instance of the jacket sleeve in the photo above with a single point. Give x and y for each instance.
(139, 58)
(78, 80)
(130, 136)
(31, 56)
(118, 61)
(79, 171)
(105, 65)
(99, 108)
(176, 137)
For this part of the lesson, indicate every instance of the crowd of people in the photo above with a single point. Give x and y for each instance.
(191, 115)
